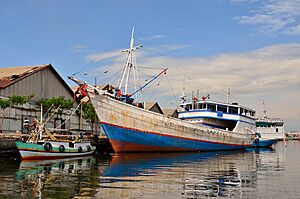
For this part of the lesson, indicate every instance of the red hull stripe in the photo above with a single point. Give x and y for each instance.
(173, 136)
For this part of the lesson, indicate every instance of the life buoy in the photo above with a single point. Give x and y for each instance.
(61, 148)
(88, 147)
(80, 149)
(48, 146)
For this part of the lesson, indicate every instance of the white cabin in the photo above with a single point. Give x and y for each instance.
(231, 117)
(271, 128)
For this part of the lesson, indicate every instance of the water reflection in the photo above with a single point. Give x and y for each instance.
(62, 178)
(187, 175)
(211, 174)
(256, 173)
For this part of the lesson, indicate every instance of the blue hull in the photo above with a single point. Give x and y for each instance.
(263, 143)
(131, 140)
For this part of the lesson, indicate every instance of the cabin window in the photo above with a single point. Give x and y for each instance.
(222, 108)
(188, 107)
(276, 130)
(279, 124)
(233, 110)
(242, 111)
(249, 113)
(211, 107)
(246, 112)
(202, 106)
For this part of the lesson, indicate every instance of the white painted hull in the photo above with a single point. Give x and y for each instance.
(53, 149)
(46, 155)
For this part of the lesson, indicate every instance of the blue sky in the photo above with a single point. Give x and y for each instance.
(251, 46)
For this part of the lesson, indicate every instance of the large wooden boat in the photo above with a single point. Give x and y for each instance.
(134, 129)
(130, 128)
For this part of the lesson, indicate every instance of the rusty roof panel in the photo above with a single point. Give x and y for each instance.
(11, 75)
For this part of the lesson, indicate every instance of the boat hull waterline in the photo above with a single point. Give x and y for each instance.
(132, 129)
(32, 151)
(264, 143)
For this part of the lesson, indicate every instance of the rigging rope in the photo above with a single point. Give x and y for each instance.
(50, 115)
(68, 117)
(115, 75)
(48, 110)
(171, 88)
(105, 51)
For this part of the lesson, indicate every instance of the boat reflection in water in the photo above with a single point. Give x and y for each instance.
(170, 175)
(60, 178)
(230, 174)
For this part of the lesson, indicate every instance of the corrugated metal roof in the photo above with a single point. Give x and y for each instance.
(169, 112)
(150, 105)
(11, 75)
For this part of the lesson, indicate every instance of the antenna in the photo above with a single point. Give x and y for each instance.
(264, 109)
(228, 95)
(183, 95)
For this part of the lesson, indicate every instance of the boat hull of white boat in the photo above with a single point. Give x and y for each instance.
(53, 150)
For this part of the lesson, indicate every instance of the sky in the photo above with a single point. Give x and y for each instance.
(249, 46)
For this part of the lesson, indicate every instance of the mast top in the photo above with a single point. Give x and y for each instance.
(132, 38)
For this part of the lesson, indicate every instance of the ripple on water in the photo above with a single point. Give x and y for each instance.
(260, 173)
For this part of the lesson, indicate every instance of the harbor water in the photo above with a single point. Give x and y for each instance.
(256, 173)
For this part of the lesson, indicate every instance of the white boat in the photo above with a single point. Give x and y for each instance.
(133, 129)
(270, 128)
(231, 117)
(218, 115)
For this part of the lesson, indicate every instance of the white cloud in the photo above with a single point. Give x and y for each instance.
(78, 48)
(96, 57)
(152, 37)
(271, 73)
(243, 1)
(118, 55)
(272, 16)
(295, 30)
(166, 48)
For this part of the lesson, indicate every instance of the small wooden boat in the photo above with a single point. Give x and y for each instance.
(52, 148)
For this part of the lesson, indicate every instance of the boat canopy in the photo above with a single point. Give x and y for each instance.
(233, 108)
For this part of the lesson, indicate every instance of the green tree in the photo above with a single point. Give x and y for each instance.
(58, 104)
(88, 113)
